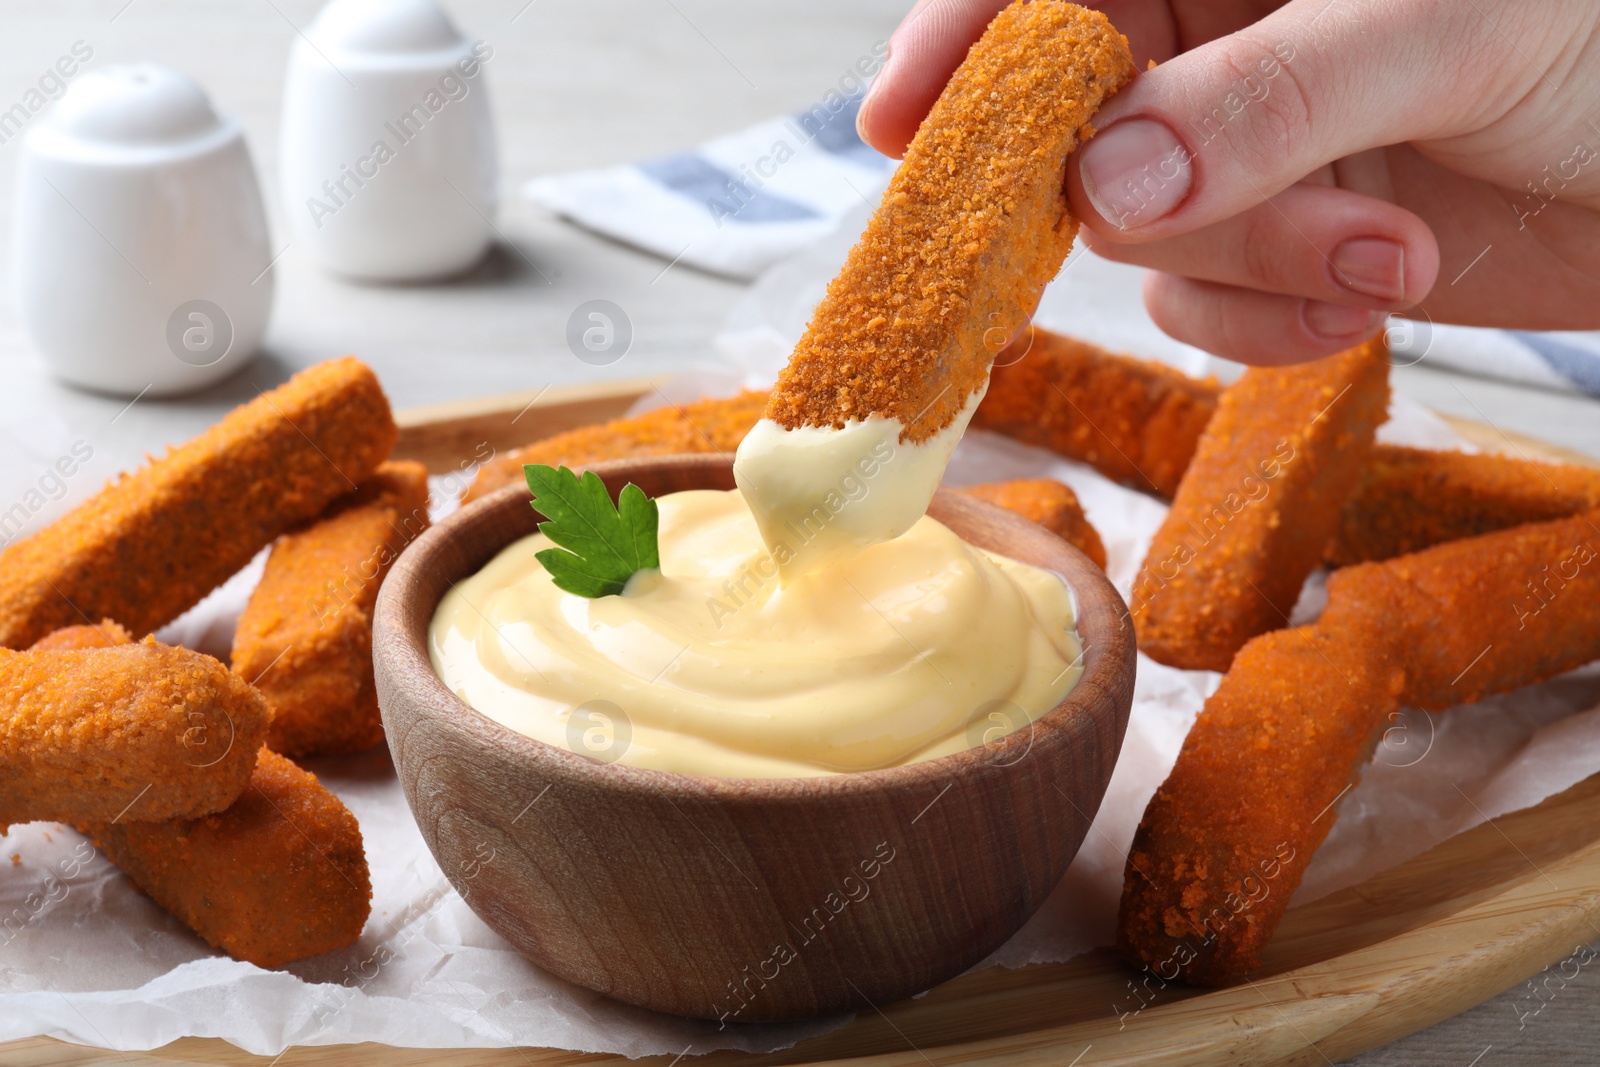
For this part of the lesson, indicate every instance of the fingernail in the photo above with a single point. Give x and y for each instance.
(1372, 266)
(1135, 172)
(861, 114)
(1335, 322)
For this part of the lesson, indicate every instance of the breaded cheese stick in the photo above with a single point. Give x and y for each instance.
(279, 876)
(150, 545)
(1257, 506)
(1412, 498)
(972, 226)
(1488, 614)
(1050, 504)
(1229, 834)
(1136, 421)
(1227, 837)
(104, 634)
(703, 426)
(140, 732)
(305, 637)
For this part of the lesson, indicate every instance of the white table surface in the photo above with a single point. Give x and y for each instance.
(577, 84)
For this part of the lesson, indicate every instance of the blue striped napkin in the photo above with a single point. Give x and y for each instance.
(1568, 362)
(736, 204)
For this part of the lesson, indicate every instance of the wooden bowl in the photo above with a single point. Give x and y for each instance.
(739, 898)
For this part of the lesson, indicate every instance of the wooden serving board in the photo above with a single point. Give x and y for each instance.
(1399, 952)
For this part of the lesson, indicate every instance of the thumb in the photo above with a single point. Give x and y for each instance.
(1216, 130)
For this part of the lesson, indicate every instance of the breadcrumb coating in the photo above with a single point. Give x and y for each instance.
(228, 876)
(1228, 836)
(1138, 421)
(973, 225)
(279, 876)
(1050, 504)
(1134, 420)
(1488, 614)
(1299, 711)
(703, 426)
(152, 544)
(104, 634)
(1411, 498)
(1257, 506)
(305, 637)
(139, 732)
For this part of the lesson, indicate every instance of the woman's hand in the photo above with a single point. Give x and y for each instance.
(1293, 172)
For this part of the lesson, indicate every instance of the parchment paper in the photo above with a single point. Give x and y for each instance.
(86, 957)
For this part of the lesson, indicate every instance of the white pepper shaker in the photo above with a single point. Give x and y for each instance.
(388, 160)
(140, 246)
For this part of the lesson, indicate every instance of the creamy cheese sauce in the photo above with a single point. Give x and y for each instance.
(895, 652)
(820, 494)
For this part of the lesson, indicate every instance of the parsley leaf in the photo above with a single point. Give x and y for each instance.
(601, 546)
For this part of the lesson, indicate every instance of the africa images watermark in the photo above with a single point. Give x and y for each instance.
(342, 992)
(1542, 593)
(1253, 889)
(1542, 191)
(1252, 489)
(853, 889)
(803, 527)
(51, 485)
(739, 190)
(454, 86)
(1581, 957)
(53, 890)
(1253, 88)
(50, 85)
(351, 586)
(453, 483)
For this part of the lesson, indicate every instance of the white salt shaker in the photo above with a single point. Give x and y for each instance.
(140, 246)
(388, 161)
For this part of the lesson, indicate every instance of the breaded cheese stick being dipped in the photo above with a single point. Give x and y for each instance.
(1050, 504)
(152, 544)
(972, 226)
(279, 875)
(134, 733)
(1258, 505)
(305, 637)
